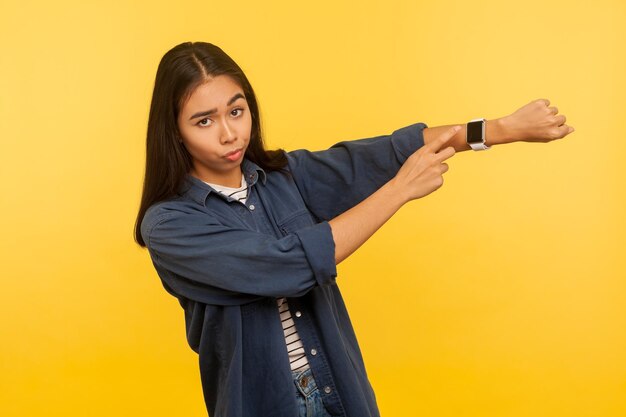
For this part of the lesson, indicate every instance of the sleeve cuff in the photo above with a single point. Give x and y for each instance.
(319, 248)
(407, 140)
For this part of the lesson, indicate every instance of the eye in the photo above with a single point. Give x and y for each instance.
(235, 110)
(201, 122)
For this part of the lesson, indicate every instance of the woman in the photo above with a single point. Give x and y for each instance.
(248, 239)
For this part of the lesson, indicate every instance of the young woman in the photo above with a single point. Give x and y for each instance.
(248, 239)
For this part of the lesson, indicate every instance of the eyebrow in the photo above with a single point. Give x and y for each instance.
(209, 112)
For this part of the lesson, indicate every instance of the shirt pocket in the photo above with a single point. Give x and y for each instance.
(295, 221)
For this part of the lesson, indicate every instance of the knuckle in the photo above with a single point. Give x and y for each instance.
(554, 133)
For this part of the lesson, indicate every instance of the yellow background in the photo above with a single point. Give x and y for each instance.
(501, 294)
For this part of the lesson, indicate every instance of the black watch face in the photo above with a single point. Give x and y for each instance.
(475, 132)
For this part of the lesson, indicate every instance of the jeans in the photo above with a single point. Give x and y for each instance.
(308, 395)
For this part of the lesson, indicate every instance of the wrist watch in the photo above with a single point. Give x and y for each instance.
(475, 136)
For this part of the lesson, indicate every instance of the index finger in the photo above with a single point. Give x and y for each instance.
(446, 153)
(442, 139)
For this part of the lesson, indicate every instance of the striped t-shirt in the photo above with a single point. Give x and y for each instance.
(297, 357)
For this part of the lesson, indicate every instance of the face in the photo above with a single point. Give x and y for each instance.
(215, 125)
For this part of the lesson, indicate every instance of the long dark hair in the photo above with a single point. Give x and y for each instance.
(181, 70)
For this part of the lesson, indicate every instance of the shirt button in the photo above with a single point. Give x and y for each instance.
(327, 389)
(313, 352)
(298, 314)
(251, 207)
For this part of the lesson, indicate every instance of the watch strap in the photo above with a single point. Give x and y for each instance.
(479, 146)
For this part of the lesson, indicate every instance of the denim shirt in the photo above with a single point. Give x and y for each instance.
(227, 263)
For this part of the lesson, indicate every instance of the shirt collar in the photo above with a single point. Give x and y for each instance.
(252, 172)
(198, 190)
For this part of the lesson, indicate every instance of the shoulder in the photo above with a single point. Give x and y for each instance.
(177, 209)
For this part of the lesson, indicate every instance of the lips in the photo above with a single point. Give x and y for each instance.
(233, 155)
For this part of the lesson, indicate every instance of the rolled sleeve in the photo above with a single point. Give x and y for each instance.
(319, 248)
(405, 141)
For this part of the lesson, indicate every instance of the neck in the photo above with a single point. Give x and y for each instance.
(231, 179)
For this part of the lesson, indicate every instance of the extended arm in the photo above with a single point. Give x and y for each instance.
(534, 122)
(336, 179)
(420, 175)
(203, 260)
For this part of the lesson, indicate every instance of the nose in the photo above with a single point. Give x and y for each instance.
(228, 132)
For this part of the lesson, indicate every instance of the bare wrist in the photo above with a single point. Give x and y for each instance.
(497, 132)
(397, 194)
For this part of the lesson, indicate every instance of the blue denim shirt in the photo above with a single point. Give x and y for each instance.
(227, 263)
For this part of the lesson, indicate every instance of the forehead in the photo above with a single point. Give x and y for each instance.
(215, 92)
